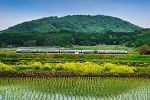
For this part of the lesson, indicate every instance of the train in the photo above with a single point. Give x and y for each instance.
(73, 51)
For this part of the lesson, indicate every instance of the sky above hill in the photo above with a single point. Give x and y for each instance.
(13, 12)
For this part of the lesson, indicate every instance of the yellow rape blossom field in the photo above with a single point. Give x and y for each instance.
(70, 67)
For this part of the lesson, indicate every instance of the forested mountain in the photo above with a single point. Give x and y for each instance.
(78, 23)
(65, 37)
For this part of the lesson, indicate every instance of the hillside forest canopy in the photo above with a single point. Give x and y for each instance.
(78, 23)
(65, 37)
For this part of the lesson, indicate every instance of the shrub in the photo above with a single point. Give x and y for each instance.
(58, 67)
(148, 69)
(142, 70)
(4, 67)
(21, 67)
(35, 65)
(47, 67)
(113, 68)
(145, 49)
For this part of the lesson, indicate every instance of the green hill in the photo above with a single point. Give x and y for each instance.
(79, 23)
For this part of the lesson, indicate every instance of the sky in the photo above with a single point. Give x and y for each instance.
(13, 12)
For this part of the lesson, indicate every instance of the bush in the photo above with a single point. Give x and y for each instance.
(35, 65)
(4, 67)
(22, 68)
(145, 49)
(47, 67)
(113, 68)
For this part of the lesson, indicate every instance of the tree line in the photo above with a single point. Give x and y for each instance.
(64, 37)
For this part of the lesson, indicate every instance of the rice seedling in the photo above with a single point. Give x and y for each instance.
(74, 88)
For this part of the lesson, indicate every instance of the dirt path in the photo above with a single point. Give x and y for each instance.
(49, 74)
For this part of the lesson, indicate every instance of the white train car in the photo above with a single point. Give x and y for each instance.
(73, 51)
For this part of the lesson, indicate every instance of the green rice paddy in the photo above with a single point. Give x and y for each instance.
(74, 88)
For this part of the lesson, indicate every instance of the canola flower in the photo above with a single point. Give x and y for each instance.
(70, 67)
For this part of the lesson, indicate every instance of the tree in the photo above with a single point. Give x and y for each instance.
(81, 43)
(72, 41)
(31, 43)
(0, 43)
(145, 49)
(92, 44)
